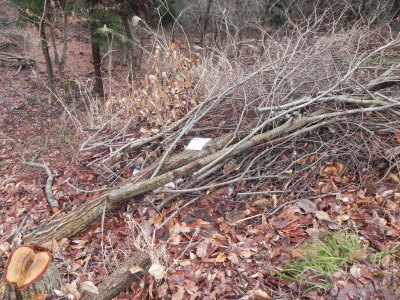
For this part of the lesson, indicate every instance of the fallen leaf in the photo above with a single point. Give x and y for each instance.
(89, 287)
(202, 213)
(157, 271)
(261, 295)
(40, 297)
(135, 269)
(307, 205)
(393, 177)
(355, 271)
(221, 257)
(236, 215)
(178, 295)
(359, 254)
(246, 253)
(321, 215)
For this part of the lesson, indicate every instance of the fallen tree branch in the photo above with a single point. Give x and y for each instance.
(49, 194)
(122, 277)
(10, 60)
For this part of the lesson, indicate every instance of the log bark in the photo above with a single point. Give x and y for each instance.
(185, 157)
(121, 278)
(89, 212)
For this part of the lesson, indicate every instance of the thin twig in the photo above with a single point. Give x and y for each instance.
(177, 211)
(85, 191)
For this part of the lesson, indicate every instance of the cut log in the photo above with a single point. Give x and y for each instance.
(122, 277)
(50, 281)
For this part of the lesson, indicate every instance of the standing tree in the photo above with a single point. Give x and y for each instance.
(36, 12)
(110, 14)
(128, 9)
(95, 19)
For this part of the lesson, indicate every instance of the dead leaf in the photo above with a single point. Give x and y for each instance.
(135, 270)
(221, 257)
(355, 271)
(178, 295)
(202, 213)
(236, 215)
(157, 271)
(359, 254)
(329, 171)
(246, 253)
(307, 205)
(233, 258)
(71, 289)
(40, 297)
(321, 215)
(393, 177)
(261, 203)
(261, 295)
(89, 287)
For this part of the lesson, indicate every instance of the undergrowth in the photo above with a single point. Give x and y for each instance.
(320, 259)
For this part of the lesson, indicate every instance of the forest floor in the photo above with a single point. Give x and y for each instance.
(216, 248)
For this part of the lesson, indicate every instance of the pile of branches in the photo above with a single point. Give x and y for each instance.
(306, 103)
(11, 60)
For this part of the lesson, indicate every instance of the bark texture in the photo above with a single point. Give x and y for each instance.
(50, 281)
(121, 278)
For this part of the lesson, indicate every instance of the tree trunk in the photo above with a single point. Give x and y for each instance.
(47, 58)
(206, 20)
(53, 40)
(96, 57)
(130, 44)
(65, 43)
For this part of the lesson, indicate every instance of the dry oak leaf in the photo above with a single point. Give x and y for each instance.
(89, 287)
(261, 295)
(221, 257)
(236, 215)
(157, 271)
(307, 205)
(321, 215)
(178, 295)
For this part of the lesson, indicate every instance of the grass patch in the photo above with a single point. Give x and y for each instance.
(320, 259)
(338, 250)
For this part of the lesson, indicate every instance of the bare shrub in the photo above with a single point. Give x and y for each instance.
(166, 92)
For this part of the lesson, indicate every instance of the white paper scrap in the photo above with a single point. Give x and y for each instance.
(170, 185)
(197, 144)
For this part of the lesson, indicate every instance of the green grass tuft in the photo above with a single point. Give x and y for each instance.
(322, 258)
